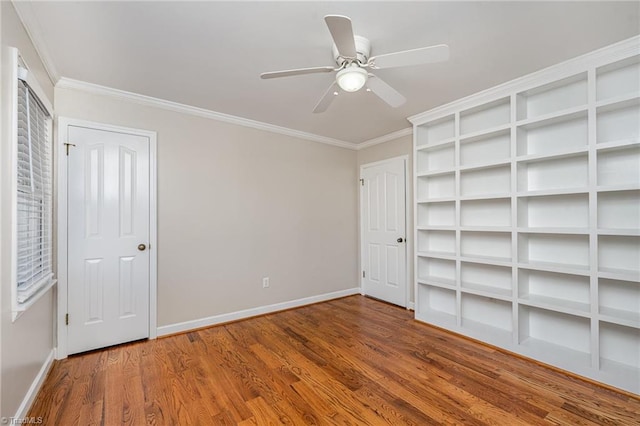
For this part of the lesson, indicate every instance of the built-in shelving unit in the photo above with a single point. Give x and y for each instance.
(527, 213)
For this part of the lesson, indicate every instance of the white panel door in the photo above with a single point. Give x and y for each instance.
(383, 231)
(108, 235)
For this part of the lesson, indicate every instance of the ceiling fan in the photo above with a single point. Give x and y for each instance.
(351, 53)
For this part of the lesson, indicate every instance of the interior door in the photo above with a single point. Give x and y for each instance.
(108, 235)
(384, 254)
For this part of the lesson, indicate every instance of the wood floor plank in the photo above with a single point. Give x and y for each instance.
(350, 361)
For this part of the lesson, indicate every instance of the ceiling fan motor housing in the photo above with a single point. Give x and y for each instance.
(363, 50)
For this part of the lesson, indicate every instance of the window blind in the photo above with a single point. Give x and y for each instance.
(34, 200)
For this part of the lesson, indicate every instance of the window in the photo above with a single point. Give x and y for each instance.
(33, 195)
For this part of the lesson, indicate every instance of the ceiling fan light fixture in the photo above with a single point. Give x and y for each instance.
(352, 78)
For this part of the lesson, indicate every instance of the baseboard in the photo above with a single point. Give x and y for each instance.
(411, 306)
(247, 313)
(23, 410)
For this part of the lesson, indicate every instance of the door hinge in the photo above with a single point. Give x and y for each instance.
(66, 319)
(363, 274)
(67, 145)
(361, 182)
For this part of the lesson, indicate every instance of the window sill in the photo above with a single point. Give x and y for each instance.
(20, 308)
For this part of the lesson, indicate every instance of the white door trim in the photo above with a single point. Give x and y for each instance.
(407, 203)
(62, 246)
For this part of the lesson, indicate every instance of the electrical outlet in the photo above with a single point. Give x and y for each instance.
(265, 282)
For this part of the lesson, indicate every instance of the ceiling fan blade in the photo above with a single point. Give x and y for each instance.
(327, 98)
(424, 55)
(342, 33)
(300, 71)
(385, 92)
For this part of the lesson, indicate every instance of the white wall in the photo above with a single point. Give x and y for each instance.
(384, 151)
(237, 204)
(26, 343)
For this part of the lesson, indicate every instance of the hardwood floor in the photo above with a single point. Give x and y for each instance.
(348, 361)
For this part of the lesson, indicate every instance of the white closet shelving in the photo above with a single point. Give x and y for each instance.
(527, 212)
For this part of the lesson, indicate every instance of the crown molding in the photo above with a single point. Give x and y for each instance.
(385, 138)
(96, 89)
(24, 10)
(608, 54)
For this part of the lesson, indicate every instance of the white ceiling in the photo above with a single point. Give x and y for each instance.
(210, 54)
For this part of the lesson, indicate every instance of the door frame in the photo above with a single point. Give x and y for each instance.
(61, 162)
(407, 202)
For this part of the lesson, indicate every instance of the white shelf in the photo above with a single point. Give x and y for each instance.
(435, 228)
(484, 132)
(436, 200)
(554, 211)
(620, 317)
(618, 121)
(619, 254)
(616, 101)
(617, 188)
(437, 318)
(434, 269)
(568, 132)
(619, 210)
(437, 255)
(561, 268)
(435, 159)
(558, 154)
(620, 344)
(542, 193)
(564, 292)
(635, 232)
(528, 220)
(488, 196)
(554, 174)
(557, 331)
(486, 291)
(436, 187)
(437, 301)
(487, 148)
(436, 131)
(485, 117)
(487, 312)
(618, 274)
(436, 145)
(486, 181)
(485, 229)
(493, 245)
(437, 241)
(556, 354)
(437, 282)
(436, 173)
(557, 305)
(618, 79)
(619, 167)
(436, 214)
(489, 278)
(553, 117)
(545, 230)
(485, 213)
(619, 143)
(487, 260)
(620, 375)
(489, 333)
(483, 166)
(619, 301)
(552, 98)
(571, 251)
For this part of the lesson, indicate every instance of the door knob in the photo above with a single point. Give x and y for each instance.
(400, 240)
(141, 247)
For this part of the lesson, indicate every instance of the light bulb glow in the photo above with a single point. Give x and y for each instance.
(352, 78)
